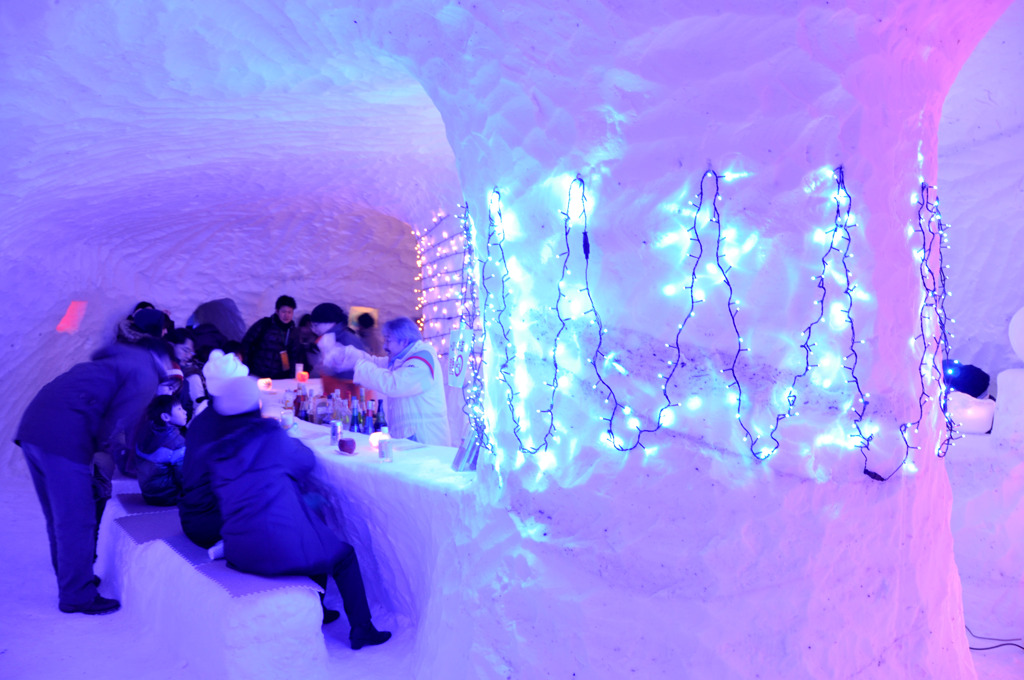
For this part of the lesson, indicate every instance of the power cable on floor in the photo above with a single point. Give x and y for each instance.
(1006, 642)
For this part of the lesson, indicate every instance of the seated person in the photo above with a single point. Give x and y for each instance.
(410, 378)
(268, 529)
(160, 451)
(269, 343)
(198, 509)
(185, 358)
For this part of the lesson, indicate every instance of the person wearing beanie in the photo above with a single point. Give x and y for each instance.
(268, 529)
(198, 508)
(144, 322)
(330, 318)
(70, 434)
(269, 346)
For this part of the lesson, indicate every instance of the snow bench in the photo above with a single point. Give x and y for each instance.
(200, 611)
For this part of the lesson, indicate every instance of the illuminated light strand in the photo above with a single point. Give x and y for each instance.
(733, 310)
(473, 385)
(439, 267)
(448, 298)
(600, 355)
(504, 370)
(842, 223)
(932, 319)
(841, 230)
(495, 245)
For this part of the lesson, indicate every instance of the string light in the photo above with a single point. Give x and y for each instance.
(626, 428)
(932, 334)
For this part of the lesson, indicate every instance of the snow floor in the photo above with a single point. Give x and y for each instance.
(37, 641)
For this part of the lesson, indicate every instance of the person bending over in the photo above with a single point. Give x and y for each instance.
(160, 451)
(268, 529)
(410, 377)
(67, 434)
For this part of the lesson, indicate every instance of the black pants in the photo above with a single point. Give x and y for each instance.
(350, 584)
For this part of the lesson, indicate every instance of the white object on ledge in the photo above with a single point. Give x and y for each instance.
(971, 415)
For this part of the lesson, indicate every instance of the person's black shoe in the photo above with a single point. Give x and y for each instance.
(100, 605)
(331, 615)
(367, 636)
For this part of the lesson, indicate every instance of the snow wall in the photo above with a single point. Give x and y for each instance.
(981, 163)
(707, 255)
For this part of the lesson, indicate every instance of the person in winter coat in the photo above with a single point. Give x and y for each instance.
(410, 378)
(328, 317)
(68, 434)
(198, 508)
(160, 451)
(269, 344)
(268, 528)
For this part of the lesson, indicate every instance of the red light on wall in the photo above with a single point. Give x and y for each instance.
(72, 317)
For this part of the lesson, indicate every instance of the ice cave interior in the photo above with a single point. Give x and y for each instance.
(695, 250)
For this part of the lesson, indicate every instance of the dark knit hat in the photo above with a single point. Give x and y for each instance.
(328, 312)
(150, 321)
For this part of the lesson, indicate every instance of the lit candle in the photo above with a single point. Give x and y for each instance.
(265, 384)
(377, 437)
(302, 376)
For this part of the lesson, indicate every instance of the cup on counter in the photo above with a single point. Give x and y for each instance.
(287, 418)
(386, 450)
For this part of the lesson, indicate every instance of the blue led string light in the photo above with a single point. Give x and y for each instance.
(473, 386)
(495, 281)
(841, 224)
(496, 248)
(931, 319)
(601, 357)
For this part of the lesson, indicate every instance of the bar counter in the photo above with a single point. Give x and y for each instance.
(398, 515)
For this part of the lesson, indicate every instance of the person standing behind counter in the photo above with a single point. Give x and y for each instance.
(410, 377)
(269, 343)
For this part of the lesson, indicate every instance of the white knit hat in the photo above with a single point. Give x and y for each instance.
(237, 395)
(220, 368)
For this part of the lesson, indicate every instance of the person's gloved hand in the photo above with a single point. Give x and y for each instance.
(326, 342)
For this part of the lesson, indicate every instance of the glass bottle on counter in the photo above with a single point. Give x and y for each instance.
(355, 424)
(323, 410)
(380, 422)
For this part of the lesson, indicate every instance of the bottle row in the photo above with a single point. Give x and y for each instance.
(355, 414)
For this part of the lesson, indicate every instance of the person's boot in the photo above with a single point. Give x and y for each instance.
(100, 605)
(330, 615)
(367, 636)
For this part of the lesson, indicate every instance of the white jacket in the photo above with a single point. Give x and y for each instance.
(414, 386)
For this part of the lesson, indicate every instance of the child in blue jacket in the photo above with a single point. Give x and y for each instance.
(161, 451)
